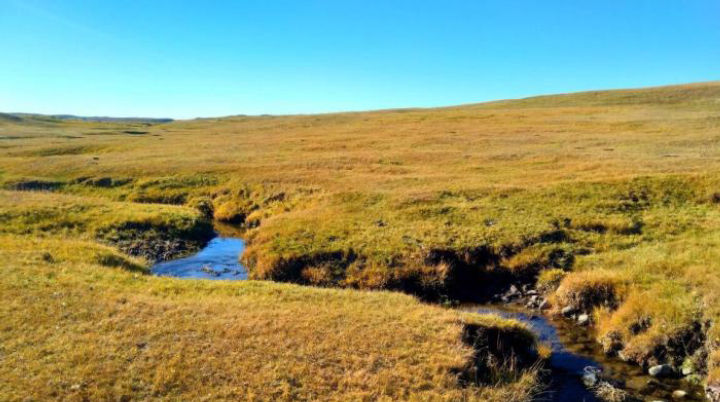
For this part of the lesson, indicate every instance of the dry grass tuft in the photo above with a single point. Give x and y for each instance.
(587, 290)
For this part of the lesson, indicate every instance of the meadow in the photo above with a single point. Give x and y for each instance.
(613, 194)
(83, 320)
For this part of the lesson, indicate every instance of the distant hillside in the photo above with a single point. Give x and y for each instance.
(106, 119)
(9, 117)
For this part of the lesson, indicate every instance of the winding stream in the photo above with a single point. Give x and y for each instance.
(573, 347)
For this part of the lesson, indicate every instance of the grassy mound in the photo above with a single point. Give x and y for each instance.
(152, 231)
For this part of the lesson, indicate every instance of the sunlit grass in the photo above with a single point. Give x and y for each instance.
(618, 188)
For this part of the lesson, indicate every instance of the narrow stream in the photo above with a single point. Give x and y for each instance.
(573, 347)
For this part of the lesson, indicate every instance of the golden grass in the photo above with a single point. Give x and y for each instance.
(624, 183)
(586, 290)
(75, 329)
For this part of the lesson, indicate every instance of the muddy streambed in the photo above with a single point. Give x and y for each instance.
(573, 347)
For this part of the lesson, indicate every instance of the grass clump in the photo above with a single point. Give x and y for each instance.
(505, 350)
(658, 325)
(148, 230)
(587, 290)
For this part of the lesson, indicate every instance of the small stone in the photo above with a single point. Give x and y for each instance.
(591, 376)
(679, 394)
(513, 290)
(567, 311)
(661, 370)
(533, 298)
(583, 319)
(75, 387)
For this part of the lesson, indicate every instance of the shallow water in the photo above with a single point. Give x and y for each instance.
(574, 349)
(218, 260)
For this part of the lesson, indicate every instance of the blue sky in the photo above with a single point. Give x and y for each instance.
(183, 59)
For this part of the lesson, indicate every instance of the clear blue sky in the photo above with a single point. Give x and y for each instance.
(184, 59)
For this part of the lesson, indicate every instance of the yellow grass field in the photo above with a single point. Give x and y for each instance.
(619, 190)
(82, 321)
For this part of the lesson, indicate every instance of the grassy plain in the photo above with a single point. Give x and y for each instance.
(82, 321)
(619, 188)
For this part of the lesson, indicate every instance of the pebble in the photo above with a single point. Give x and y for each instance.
(583, 319)
(661, 370)
(679, 394)
(591, 376)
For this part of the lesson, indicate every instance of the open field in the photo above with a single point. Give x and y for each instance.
(81, 321)
(620, 190)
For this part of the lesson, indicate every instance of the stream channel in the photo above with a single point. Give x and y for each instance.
(573, 347)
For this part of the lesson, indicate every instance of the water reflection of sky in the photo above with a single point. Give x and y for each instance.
(218, 260)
